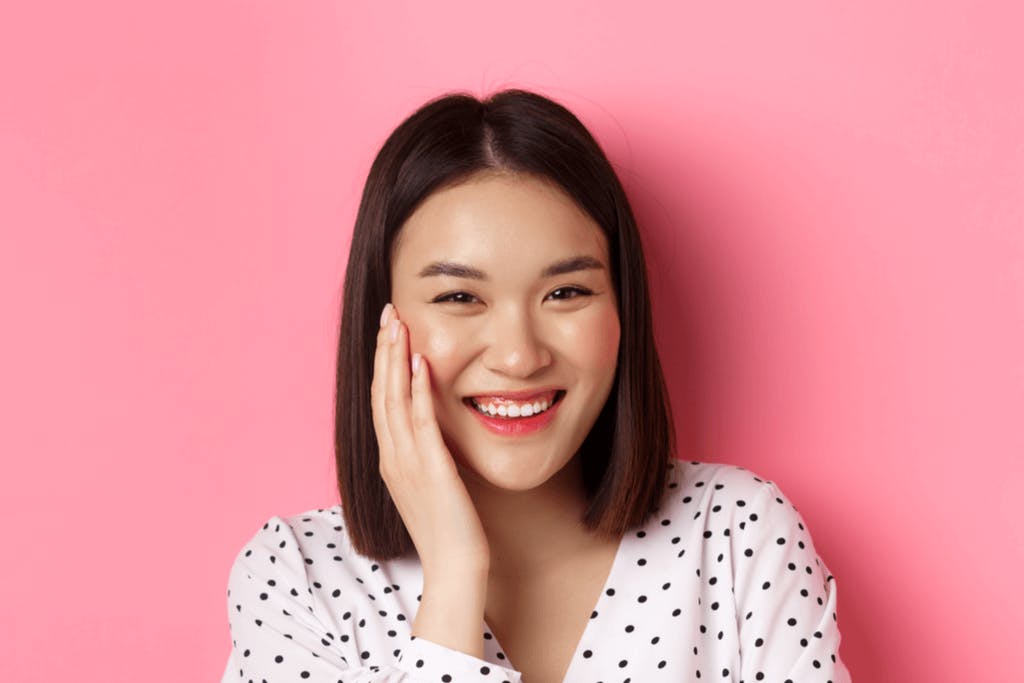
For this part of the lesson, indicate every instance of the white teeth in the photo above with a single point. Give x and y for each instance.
(512, 410)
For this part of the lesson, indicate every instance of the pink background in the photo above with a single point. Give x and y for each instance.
(832, 203)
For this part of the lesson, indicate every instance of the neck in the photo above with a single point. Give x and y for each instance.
(531, 533)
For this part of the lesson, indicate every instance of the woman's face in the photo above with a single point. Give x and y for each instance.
(468, 279)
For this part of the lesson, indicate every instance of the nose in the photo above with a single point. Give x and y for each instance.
(516, 347)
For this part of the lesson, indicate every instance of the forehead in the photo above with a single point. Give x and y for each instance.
(498, 221)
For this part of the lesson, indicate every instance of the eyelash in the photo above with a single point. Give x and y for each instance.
(581, 291)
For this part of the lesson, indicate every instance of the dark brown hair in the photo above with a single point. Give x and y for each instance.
(626, 455)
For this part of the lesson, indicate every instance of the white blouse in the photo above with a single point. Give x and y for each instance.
(721, 584)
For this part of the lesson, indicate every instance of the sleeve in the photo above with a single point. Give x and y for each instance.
(276, 633)
(785, 598)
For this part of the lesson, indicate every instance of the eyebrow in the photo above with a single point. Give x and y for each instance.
(566, 265)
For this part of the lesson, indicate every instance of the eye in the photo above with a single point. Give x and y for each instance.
(452, 298)
(578, 292)
(467, 298)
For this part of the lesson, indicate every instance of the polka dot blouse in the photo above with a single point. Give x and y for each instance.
(721, 584)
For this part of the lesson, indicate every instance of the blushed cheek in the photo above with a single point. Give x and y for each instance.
(439, 345)
(602, 349)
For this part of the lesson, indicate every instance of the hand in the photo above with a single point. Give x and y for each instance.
(415, 464)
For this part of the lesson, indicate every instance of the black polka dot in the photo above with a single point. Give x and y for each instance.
(711, 574)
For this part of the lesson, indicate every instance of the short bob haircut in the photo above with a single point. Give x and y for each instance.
(627, 453)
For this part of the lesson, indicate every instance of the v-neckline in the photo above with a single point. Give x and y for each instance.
(617, 560)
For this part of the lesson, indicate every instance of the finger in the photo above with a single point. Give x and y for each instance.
(378, 393)
(396, 401)
(424, 422)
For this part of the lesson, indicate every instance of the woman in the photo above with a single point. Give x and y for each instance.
(511, 509)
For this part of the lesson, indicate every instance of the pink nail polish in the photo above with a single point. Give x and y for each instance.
(393, 331)
(385, 315)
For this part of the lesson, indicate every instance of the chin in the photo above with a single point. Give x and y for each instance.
(507, 474)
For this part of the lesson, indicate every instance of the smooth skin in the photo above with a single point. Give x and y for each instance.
(487, 511)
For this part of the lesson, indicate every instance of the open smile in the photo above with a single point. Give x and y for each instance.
(515, 418)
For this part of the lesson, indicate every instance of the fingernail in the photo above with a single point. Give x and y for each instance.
(415, 362)
(385, 315)
(393, 331)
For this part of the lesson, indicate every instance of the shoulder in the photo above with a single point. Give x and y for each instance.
(284, 535)
(294, 547)
(727, 499)
(711, 480)
(302, 564)
(754, 554)
(313, 549)
(318, 536)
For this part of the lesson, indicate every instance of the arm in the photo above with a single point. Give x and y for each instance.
(278, 634)
(786, 598)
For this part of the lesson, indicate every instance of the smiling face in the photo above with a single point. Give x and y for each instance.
(475, 276)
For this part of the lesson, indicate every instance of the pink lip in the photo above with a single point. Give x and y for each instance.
(519, 426)
(524, 395)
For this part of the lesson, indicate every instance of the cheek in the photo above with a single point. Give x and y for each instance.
(439, 344)
(611, 335)
(596, 341)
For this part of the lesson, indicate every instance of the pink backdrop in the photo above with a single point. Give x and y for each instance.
(832, 203)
